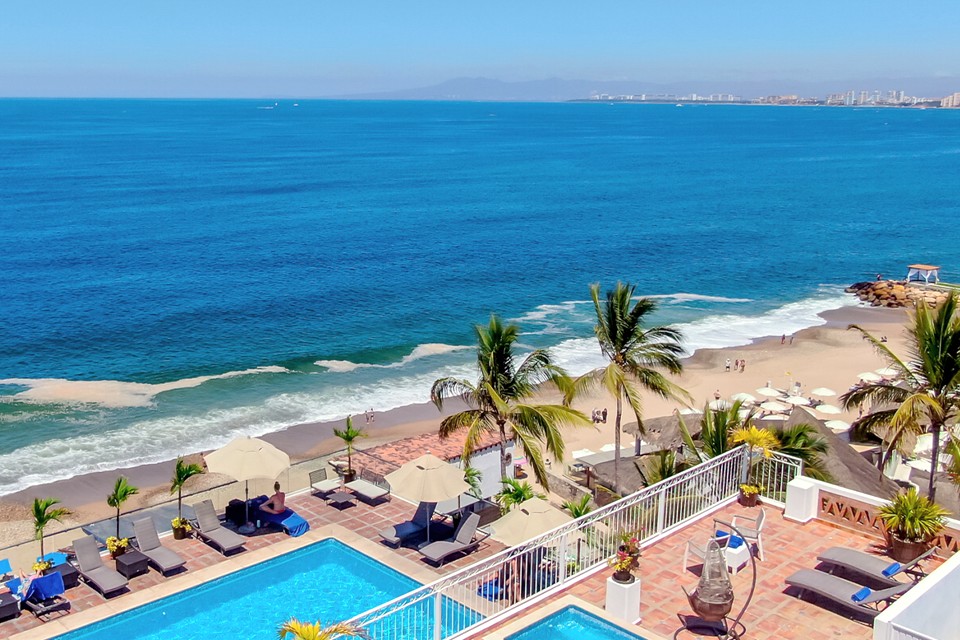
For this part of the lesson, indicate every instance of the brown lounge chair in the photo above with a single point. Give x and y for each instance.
(849, 595)
(93, 571)
(209, 529)
(464, 540)
(148, 542)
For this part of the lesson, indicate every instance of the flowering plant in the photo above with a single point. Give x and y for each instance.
(41, 565)
(115, 545)
(181, 523)
(751, 489)
(628, 554)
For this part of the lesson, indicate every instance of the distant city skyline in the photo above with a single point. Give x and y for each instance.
(300, 48)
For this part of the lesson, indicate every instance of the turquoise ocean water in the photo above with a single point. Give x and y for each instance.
(176, 273)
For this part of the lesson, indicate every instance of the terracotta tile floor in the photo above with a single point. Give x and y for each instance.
(364, 519)
(775, 611)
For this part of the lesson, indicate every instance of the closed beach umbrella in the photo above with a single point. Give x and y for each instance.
(743, 397)
(427, 479)
(823, 392)
(246, 459)
(770, 392)
(869, 376)
(772, 405)
(797, 400)
(888, 372)
(528, 520)
(837, 425)
(827, 408)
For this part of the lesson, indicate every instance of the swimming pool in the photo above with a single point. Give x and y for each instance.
(326, 581)
(573, 623)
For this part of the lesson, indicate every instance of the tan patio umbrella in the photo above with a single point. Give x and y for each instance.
(528, 520)
(797, 400)
(246, 459)
(427, 479)
(772, 405)
(828, 408)
(823, 392)
(770, 392)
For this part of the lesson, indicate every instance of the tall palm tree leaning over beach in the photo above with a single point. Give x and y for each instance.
(498, 400)
(636, 354)
(927, 396)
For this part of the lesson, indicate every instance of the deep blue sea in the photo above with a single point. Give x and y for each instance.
(176, 273)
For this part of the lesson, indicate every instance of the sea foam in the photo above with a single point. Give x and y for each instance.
(420, 351)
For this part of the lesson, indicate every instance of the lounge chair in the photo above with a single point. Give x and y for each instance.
(209, 529)
(45, 595)
(93, 571)
(370, 486)
(849, 595)
(6, 571)
(464, 540)
(148, 542)
(323, 485)
(874, 567)
(289, 520)
(404, 531)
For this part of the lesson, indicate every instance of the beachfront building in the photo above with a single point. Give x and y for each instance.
(923, 273)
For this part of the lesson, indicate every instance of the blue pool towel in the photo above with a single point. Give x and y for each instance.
(290, 521)
(735, 541)
(861, 595)
(892, 570)
(491, 590)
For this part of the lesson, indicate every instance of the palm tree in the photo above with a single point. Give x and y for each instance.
(122, 490)
(927, 396)
(473, 477)
(44, 514)
(498, 404)
(578, 508)
(635, 355)
(313, 631)
(802, 441)
(514, 492)
(716, 428)
(349, 435)
(181, 473)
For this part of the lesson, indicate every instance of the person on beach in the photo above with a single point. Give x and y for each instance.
(743, 365)
(726, 366)
(373, 417)
(603, 415)
(783, 338)
(716, 394)
(791, 339)
(275, 503)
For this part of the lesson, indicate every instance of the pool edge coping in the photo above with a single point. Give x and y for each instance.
(132, 600)
(543, 612)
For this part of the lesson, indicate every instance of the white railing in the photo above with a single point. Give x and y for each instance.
(468, 597)
(774, 473)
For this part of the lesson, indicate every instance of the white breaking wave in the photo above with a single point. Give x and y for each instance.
(421, 351)
(678, 298)
(113, 394)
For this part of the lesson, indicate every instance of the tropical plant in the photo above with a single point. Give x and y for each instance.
(758, 441)
(43, 514)
(636, 355)
(514, 492)
(716, 428)
(802, 441)
(912, 517)
(578, 508)
(498, 400)
(117, 546)
(659, 466)
(474, 477)
(927, 394)
(953, 467)
(349, 435)
(181, 473)
(313, 631)
(122, 490)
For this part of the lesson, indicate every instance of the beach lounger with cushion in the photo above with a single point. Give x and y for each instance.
(849, 595)
(6, 571)
(464, 540)
(370, 486)
(148, 542)
(883, 570)
(289, 520)
(209, 529)
(323, 485)
(403, 531)
(44, 595)
(93, 571)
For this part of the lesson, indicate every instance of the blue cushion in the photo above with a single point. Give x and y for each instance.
(5, 567)
(734, 542)
(861, 595)
(892, 570)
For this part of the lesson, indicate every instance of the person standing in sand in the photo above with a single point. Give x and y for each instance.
(743, 365)
(783, 338)
(603, 415)
(726, 366)
(373, 417)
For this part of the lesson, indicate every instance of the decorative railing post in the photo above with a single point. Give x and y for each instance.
(661, 511)
(438, 616)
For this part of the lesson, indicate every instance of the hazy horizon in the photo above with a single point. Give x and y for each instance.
(301, 49)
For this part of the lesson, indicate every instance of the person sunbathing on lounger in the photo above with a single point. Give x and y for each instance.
(275, 503)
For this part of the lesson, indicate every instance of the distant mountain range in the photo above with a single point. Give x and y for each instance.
(558, 90)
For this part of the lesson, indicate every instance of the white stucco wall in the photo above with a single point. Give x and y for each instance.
(488, 463)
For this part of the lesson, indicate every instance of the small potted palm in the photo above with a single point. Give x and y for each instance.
(349, 435)
(758, 441)
(43, 514)
(122, 490)
(181, 473)
(911, 522)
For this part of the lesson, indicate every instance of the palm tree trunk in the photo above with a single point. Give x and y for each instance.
(934, 463)
(616, 451)
(41, 545)
(180, 501)
(503, 451)
(118, 523)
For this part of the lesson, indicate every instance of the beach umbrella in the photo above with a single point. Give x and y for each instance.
(719, 405)
(797, 400)
(772, 405)
(837, 425)
(528, 520)
(743, 397)
(828, 408)
(427, 479)
(823, 392)
(888, 372)
(246, 459)
(775, 416)
(770, 392)
(690, 412)
(869, 376)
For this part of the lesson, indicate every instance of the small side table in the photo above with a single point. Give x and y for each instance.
(340, 499)
(132, 563)
(71, 577)
(737, 557)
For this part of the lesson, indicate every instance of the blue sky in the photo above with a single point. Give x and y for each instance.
(314, 48)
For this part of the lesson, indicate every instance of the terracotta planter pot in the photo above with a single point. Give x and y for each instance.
(904, 551)
(179, 533)
(749, 500)
(623, 577)
(349, 475)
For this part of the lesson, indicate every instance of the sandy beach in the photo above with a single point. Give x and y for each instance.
(824, 356)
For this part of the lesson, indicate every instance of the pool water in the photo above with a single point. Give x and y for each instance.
(573, 623)
(327, 581)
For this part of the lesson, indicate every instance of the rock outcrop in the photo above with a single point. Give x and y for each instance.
(897, 293)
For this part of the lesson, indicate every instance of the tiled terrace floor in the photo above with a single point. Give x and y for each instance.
(363, 519)
(775, 611)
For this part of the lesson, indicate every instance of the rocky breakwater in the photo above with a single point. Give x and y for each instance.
(897, 293)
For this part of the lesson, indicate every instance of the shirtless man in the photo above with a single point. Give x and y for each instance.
(275, 503)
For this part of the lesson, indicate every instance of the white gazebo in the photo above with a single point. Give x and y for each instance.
(926, 273)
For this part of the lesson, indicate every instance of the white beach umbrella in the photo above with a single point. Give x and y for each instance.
(427, 479)
(690, 412)
(869, 376)
(770, 392)
(528, 520)
(797, 400)
(776, 416)
(888, 372)
(719, 405)
(837, 425)
(823, 392)
(772, 405)
(828, 408)
(743, 397)
(246, 459)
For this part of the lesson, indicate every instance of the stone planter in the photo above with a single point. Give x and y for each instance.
(748, 499)
(349, 475)
(903, 550)
(623, 577)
